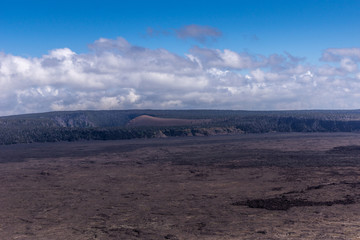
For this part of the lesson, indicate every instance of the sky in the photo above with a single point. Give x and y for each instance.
(241, 55)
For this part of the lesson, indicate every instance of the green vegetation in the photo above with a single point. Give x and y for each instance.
(112, 125)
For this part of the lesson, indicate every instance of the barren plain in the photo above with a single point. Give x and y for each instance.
(251, 186)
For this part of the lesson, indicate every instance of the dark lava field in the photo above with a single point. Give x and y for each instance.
(250, 186)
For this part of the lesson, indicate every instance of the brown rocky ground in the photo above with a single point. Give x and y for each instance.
(270, 186)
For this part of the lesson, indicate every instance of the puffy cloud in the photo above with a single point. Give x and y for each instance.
(226, 58)
(118, 75)
(104, 44)
(198, 32)
(336, 54)
(348, 65)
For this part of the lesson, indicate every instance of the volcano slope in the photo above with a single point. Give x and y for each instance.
(255, 186)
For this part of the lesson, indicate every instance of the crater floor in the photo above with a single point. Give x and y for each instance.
(256, 186)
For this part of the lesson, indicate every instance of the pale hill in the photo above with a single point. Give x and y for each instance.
(146, 120)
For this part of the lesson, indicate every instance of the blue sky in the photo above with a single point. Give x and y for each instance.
(303, 28)
(195, 31)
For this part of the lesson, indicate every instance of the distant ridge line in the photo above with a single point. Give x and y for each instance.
(127, 124)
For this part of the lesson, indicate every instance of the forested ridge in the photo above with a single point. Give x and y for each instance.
(113, 125)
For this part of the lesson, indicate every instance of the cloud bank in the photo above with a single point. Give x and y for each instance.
(118, 75)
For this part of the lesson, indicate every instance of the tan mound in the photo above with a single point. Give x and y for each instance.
(146, 120)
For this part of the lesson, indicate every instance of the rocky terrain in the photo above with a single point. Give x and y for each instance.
(250, 186)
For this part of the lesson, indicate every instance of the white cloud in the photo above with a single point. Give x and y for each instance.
(336, 54)
(348, 65)
(118, 75)
(104, 44)
(226, 58)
